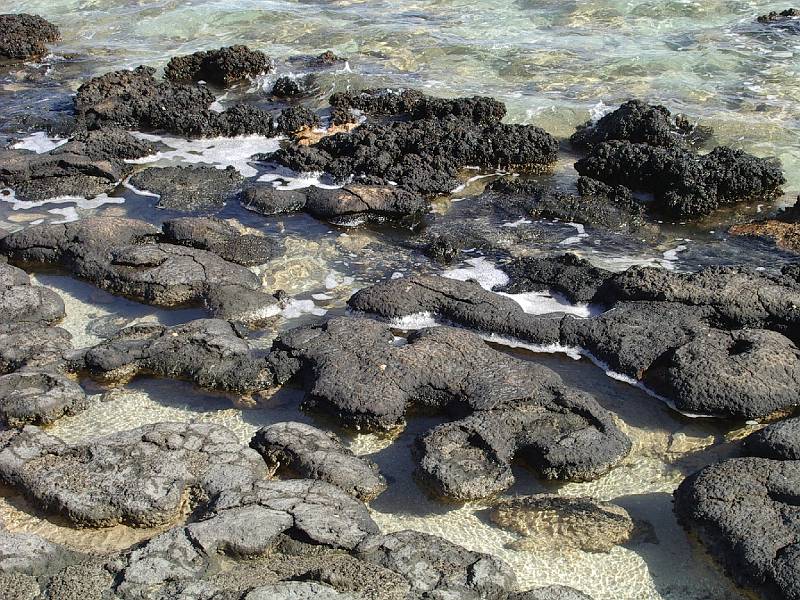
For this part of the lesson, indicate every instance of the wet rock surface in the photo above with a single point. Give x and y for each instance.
(141, 477)
(297, 118)
(24, 36)
(189, 189)
(785, 20)
(121, 256)
(582, 523)
(550, 592)
(354, 369)
(219, 67)
(301, 450)
(780, 441)
(745, 512)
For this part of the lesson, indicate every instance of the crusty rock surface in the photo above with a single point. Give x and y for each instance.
(745, 512)
(141, 477)
(219, 67)
(574, 277)
(780, 441)
(24, 36)
(21, 302)
(297, 449)
(352, 368)
(38, 398)
(119, 255)
(208, 352)
(582, 523)
(34, 346)
(550, 592)
(297, 118)
(189, 189)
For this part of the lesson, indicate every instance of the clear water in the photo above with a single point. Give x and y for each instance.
(555, 63)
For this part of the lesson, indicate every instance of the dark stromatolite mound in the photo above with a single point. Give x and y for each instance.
(745, 512)
(119, 255)
(780, 441)
(297, 118)
(685, 184)
(550, 592)
(38, 398)
(414, 105)
(425, 154)
(574, 277)
(297, 449)
(189, 189)
(437, 568)
(207, 352)
(581, 523)
(137, 100)
(21, 302)
(353, 368)
(287, 87)
(786, 20)
(24, 344)
(141, 477)
(109, 143)
(222, 239)
(345, 205)
(638, 122)
(24, 36)
(219, 67)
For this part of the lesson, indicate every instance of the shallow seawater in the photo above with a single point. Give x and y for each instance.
(555, 63)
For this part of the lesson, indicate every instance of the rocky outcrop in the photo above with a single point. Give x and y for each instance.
(39, 398)
(350, 204)
(354, 369)
(780, 441)
(122, 257)
(223, 239)
(23, 36)
(218, 67)
(581, 523)
(745, 512)
(783, 229)
(300, 450)
(189, 189)
(574, 277)
(142, 477)
(787, 20)
(297, 118)
(207, 352)
(21, 302)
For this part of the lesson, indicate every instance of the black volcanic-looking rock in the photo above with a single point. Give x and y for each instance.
(786, 20)
(119, 255)
(38, 397)
(746, 514)
(207, 352)
(287, 87)
(189, 189)
(638, 122)
(352, 368)
(567, 274)
(302, 450)
(24, 36)
(220, 67)
(297, 118)
(21, 302)
(25, 344)
(780, 441)
(684, 184)
(140, 477)
(222, 239)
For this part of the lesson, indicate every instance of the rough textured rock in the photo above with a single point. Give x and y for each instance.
(297, 449)
(296, 590)
(141, 477)
(21, 302)
(684, 184)
(219, 67)
(638, 122)
(222, 239)
(582, 523)
(780, 441)
(24, 36)
(353, 368)
(137, 100)
(746, 514)
(24, 344)
(297, 118)
(189, 189)
(574, 277)
(785, 235)
(437, 568)
(30, 554)
(207, 352)
(787, 20)
(290, 87)
(550, 592)
(38, 397)
(347, 205)
(119, 255)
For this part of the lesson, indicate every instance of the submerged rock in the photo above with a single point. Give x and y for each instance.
(745, 512)
(780, 441)
(296, 449)
(346, 205)
(24, 36)
(684, 184)
(141, 477)
(582, 523)
(189, 189)
(219, 67)
(638, 122)
(353, 368)
(119, 255)
(550, 592)
(207, 352)
(223, 239)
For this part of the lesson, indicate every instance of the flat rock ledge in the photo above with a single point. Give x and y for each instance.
(356, 370)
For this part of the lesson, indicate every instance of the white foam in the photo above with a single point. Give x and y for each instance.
(334, 280)
(419, 320)
(542, 303)
(69, 213)
(285, 179)
(517, 223)
(297, 308)
(220, 152)
(575, 238)
(8, 195)
(509, 342)
(39, 142)
(482, 271)
(137, 191)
